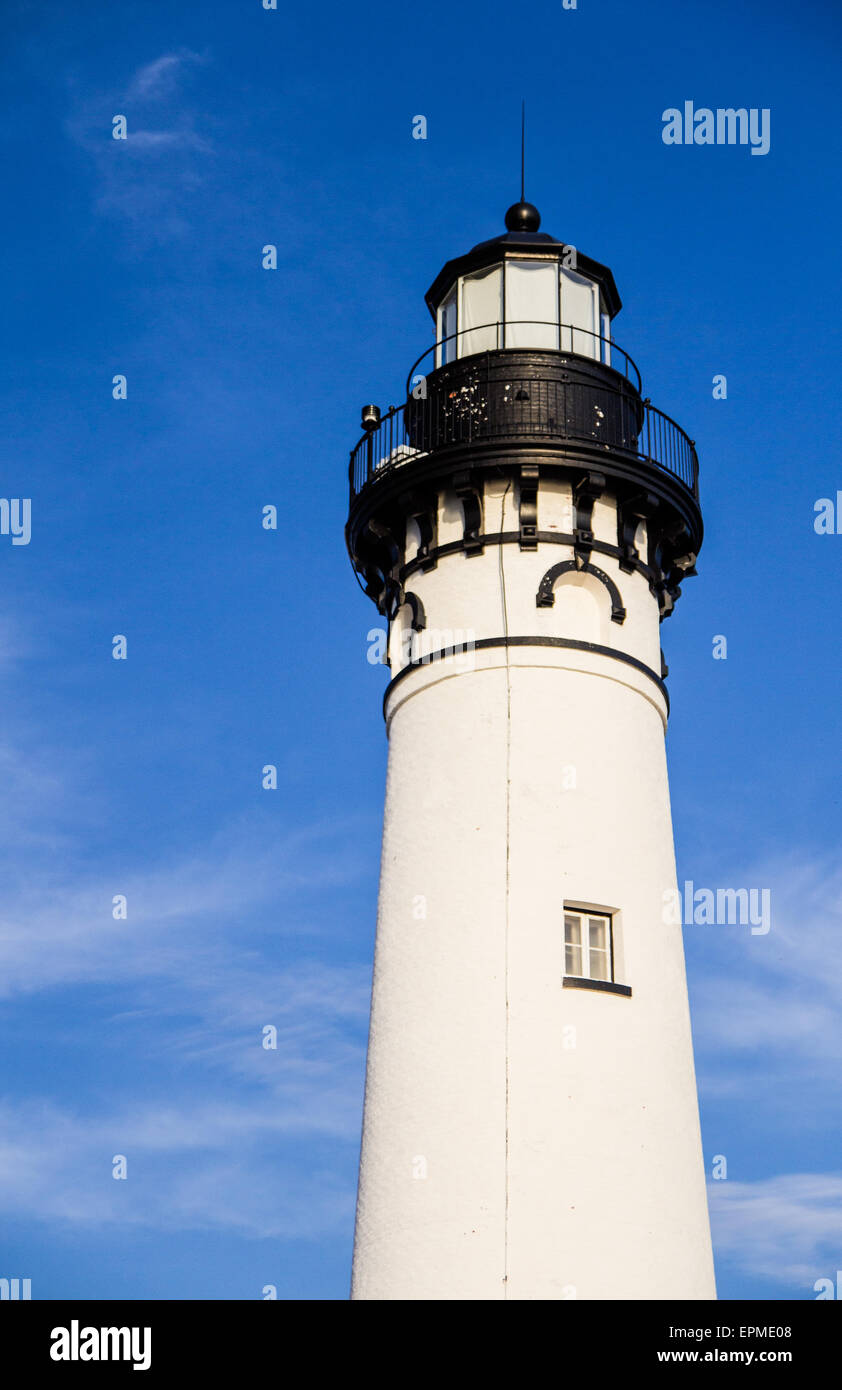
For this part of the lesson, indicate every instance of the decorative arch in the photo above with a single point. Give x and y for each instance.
(545, 597)
(419, 617)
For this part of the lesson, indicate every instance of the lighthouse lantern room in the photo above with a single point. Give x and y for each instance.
(522, 290)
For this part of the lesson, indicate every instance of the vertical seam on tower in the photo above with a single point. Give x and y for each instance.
(506, 903)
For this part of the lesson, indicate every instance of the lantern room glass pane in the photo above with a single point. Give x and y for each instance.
(579, 315)
(482, 310)
(531, 304)
(447, 330)
(606, 339)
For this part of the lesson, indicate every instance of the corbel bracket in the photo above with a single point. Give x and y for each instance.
(665, 585)
(630, 512)
(469, 491)
(585, 492)
(423, 509)
(528, 539)
(378, 554)
(419, 617)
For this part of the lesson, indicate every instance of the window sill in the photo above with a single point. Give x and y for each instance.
(579, 982)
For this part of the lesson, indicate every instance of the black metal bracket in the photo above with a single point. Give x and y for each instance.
(469, 491)
(545, 597)
(391, 598)
(667, 588)
(374, 584)
(630, 512)
(380, 553)
(564, 538)
(585, 492)
(419, 617)
(423, 509)
(529, 506)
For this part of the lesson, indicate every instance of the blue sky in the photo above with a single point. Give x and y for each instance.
(245, 647)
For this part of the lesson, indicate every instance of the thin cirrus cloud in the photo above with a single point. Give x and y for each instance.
(181, 1006)
(787, 1229)
(767, 1039)
(219, 943)
(193, 1166)
(171, 1068)
(241, 892)
(150, 179)
(58, 929)
(774, 996)
(162, 77)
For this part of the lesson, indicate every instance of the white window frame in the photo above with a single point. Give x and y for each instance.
(585, 916)
(605, 333)
(464, 332)
(515, 261)
(600, 322)
(590, 333)
(447, 352)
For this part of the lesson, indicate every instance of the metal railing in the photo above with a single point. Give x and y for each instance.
(569, 339)
(479, 401)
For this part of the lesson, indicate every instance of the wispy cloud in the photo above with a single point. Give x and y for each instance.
(219, 944)
(775, 997)
(787, 1229)
(58, 928)
(188, 986)
(151, 178)
(161, 78)
(201, 1166)
(189, 989)
(153, 141)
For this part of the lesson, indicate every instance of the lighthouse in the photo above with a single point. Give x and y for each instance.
(523, 523)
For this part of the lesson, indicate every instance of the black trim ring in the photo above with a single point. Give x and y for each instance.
(486, 642)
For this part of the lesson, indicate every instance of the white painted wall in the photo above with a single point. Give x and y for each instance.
(498, 1160)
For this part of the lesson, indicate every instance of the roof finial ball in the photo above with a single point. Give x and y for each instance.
(523, 217)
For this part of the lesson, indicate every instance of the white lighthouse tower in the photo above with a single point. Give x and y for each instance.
(523, 522)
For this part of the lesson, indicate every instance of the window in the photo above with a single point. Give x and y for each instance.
(482, 310)
(606, 339)
(588, 947)
(579, 314)
(523, 303)
(447, 329)
(531, 304)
